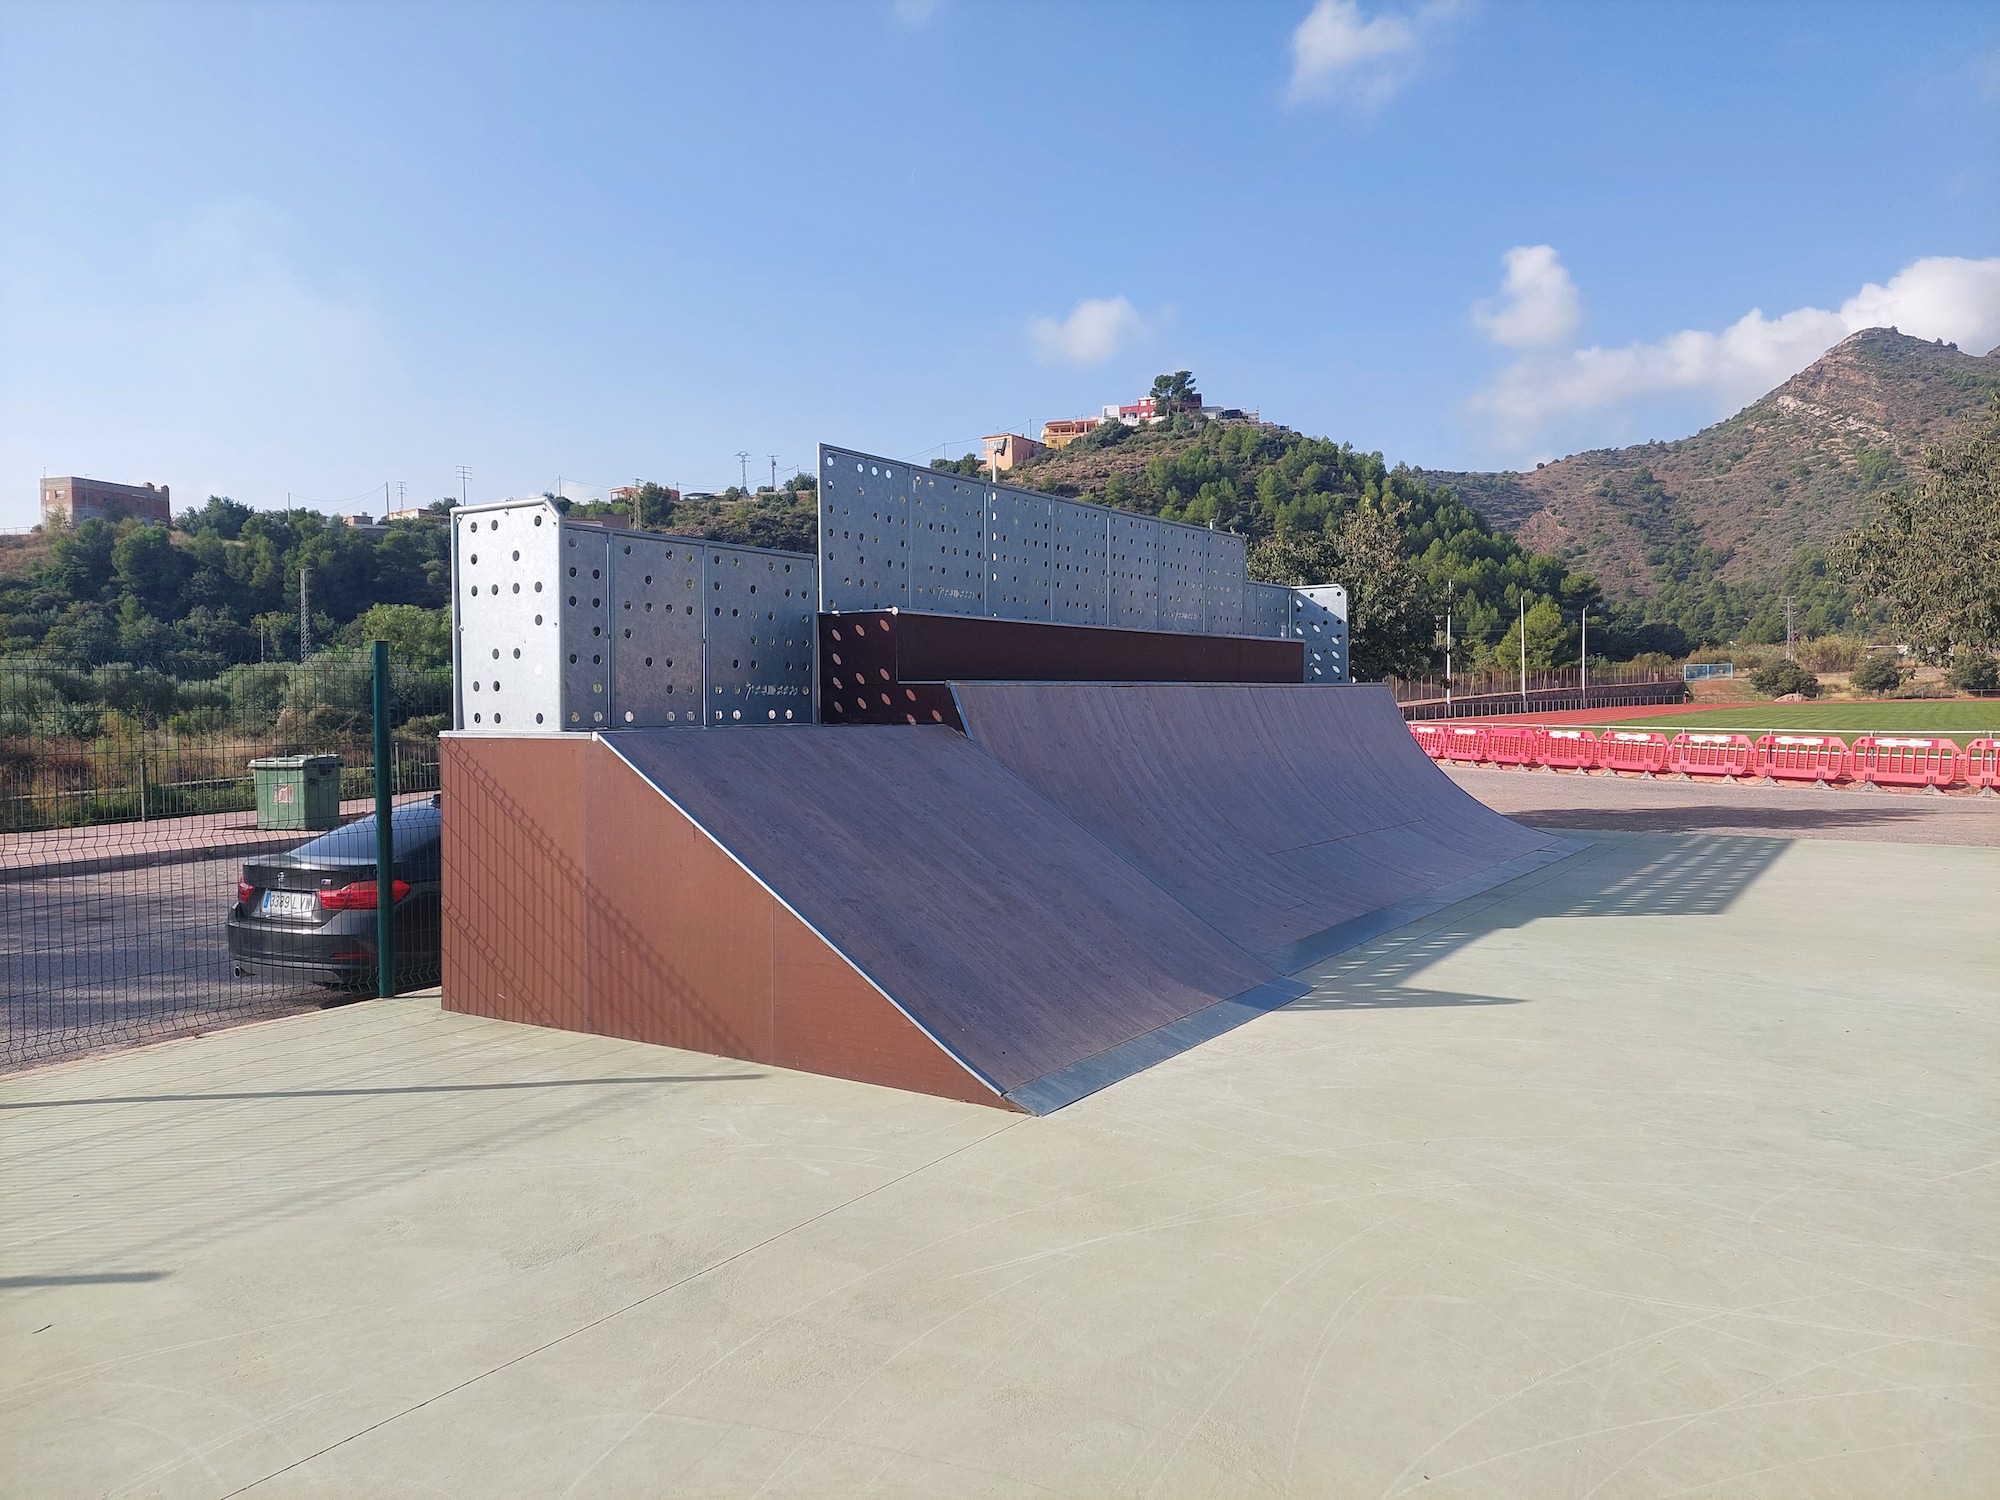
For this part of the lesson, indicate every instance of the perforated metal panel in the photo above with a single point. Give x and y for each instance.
(1135, 571)
(760, 637)
(1017, 555)
(1079, 547)
(586, 623)
(1223, 582)
(1183, 561)
(947, 544)
(1267, 609)
(588, 628)
(508, 676)
(864, 514)
(1319, 618)
(656, 673)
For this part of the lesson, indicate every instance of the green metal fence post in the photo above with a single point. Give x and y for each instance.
(385, 834)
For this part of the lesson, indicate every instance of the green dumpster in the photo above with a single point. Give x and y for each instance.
(298, 791)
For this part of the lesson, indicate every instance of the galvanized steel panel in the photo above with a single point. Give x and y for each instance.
(760, 637)
(1223, 583)
(1017, 555)
(656, 672)
(1079, 551)
(505, 559)
(1319, 618)
(947, 544)
(586, 626)
(1267, 610)
(1183, 560)
(864, 515)
(1135, 570)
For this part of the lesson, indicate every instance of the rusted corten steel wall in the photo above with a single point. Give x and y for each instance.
(576, 896)
(892, 667)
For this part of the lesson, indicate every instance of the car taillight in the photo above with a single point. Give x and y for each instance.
(359, 896)
(245, 893)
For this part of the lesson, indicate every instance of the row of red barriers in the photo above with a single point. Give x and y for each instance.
(1876, 760)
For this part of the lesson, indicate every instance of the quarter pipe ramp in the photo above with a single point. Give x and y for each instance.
(1017, 918)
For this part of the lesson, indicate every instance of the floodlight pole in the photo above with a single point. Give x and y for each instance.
(1583, 658)
(1524, 651)
(385, 833)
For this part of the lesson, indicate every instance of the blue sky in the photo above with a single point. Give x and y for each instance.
(271, 249)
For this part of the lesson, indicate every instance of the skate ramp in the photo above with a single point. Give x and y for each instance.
(1295, 820)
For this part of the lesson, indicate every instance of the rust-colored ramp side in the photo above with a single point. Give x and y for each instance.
(1014, 940)
(1295, 820)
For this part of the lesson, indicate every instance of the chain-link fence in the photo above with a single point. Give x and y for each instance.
(154, 884)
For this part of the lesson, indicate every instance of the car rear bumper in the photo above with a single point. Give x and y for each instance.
(314, 954)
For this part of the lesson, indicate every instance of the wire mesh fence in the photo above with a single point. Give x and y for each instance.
(155, 883)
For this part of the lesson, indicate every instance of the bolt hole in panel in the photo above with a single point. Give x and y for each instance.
(1319, 618)
(864, 513)
(1267, 609)
(947, 544)
(760, 637)
(508, 677)
(590, 628)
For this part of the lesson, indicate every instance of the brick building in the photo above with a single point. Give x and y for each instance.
(73, 500)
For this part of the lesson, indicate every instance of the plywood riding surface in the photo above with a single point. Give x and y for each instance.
(1294, 820)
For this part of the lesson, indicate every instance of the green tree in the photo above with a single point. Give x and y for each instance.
(1550, 643)
(1391, 625)
(149, 569)
(421, 637)
(1932, 552)
(1173, 393)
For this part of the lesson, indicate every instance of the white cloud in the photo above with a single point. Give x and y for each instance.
(1340, 54)
(1538, 303)
(1940, 297)
(916, 12)
(1093, 332)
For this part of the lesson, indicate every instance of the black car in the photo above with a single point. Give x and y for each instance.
(309, 915)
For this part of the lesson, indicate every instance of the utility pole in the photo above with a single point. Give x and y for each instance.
(1583, 658)
(386, 507)
(305, 614)
(1788, 627)
(464, 474)
(1524, 652)
(774, 472)
(1447, 650)
(743, 461)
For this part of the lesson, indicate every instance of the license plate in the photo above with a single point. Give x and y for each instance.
(289, 903)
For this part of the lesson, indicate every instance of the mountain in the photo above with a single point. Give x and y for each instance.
(1740, 501)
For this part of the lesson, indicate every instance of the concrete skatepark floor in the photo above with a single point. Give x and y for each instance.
(1664, 1171)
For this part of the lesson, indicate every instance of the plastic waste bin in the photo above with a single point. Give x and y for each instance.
(298, 791)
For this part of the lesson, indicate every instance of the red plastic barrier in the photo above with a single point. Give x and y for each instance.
(1514, 744)
(1432, 738)
(1466, 742)
(1712, 755)
(1569, 749)
(1981, 762)
(1630, 750)
(1802, 757)
(1884, 760)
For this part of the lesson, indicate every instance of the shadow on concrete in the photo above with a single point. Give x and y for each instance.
(98, 1278)
(1695, 875)
(415, 1088)
(1740, 819)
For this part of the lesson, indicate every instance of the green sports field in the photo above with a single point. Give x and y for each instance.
(1962, 720)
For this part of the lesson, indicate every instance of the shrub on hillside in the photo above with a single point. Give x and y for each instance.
(1830, 653)
(1877, 673)
(1780, 678)
(1974, 672)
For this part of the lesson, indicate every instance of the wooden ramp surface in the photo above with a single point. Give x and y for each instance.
(1011, 936)
(1294, 820)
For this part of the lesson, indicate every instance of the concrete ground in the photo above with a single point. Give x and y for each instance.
(1666, 1171)
(1555, 799)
